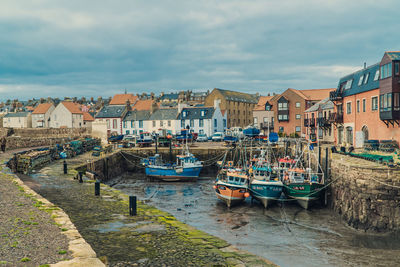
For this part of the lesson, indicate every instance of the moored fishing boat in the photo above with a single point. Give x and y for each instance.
(304, 186)
(265, 185)
(232, 185)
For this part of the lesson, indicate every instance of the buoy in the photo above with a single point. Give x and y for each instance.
(214, 186)
(246, 194)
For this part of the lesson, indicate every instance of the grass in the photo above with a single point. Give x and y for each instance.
(61, 252)
(25, 259)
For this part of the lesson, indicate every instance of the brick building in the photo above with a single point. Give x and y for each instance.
(367, 103)
(238, 106)
(289, 108)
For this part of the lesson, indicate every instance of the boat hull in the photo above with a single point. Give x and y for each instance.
(266, 192)
(173, 174)
(306, 194)
(230, 195)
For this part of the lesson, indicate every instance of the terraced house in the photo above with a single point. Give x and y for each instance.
(289, 108)
(238, 106)
(367, 103)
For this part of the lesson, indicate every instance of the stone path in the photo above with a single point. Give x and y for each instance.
(34, 232)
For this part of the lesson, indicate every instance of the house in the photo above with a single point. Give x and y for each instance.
(263, 115)
(203, 120)
(113, 115)
(238, 106)
(17, 120)
(41, 115)
(67, 114)
(134, 122)
(87, 120)
(121, 99)
(289, 108)
(316, 121)
(165, 118)
(367, 103)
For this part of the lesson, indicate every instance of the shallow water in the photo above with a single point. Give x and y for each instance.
(285, 233)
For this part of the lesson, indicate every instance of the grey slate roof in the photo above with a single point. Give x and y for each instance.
(394, 55)
(324, 104)
(238, 96)
(355, 77)
(173, 96)
(17, 114)
(164, 114)
(137, 115)
(112, 111)
(195, 113)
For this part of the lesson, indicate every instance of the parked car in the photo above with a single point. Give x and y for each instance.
(202, 138)
(218, 137)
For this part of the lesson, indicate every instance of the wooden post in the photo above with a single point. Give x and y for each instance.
(132, 206)
(156, 143)
(97, 188)
(65, 167)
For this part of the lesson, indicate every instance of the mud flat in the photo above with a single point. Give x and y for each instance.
(152, 238)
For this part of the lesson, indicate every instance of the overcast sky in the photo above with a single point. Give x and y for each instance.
(91, 48)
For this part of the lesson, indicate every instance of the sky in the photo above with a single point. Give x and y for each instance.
(100, 48)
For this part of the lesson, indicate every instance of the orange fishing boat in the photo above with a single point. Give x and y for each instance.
(232, 185)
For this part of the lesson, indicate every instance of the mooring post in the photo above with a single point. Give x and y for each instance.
(80, 177)
(97, 188)
(132, 206)
(327, 178)
(319, 159)
(170, 150)
(65, 167)
(156, 144)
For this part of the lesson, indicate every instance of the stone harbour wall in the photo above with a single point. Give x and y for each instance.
(365, 194)
(20, 138)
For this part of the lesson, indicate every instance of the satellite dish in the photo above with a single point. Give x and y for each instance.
(273, 137)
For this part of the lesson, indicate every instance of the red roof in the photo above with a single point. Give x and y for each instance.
(143, 104)
(120, 99)
(87, 116)
(74, 108)
(42, 108)
(262, 101)
(313, 94)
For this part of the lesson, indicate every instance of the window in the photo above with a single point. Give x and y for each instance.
(366, 78)
(389, 101)
(348, 107)
(358, 106)
(125, 124)
(169, 123)
(154, 123)
(132, 124)
(281, 129)
(396, 101)
(361, 80)
(201, 131)
(376, 75)
(216, 123)
(115, 123)
(255, 120)
(182, 123)
(203, 113)
(297, 104)
(374, 105)
(298, 116)
(127, 132)
(201, 123)
(161, 123)
(348, 84)
(364, 104)
(386, 70)
(397, 68)
(298, 128)
(140, 124)
(191, 123)
(224, 120)
(267, 107)
(282, 106)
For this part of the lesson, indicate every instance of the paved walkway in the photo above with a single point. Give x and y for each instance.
(34, 232)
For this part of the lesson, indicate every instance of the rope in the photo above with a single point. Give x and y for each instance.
(133, 163)
(394, 186)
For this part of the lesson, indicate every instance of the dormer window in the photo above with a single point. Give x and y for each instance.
(184, 114)
(376, 75)
(348, 84)
(361, 80)
(366, 78)
(203, 113)
(267, 107)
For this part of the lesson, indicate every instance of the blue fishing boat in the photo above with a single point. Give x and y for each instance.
(265, 185)
(251, 131)
(187, 167)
